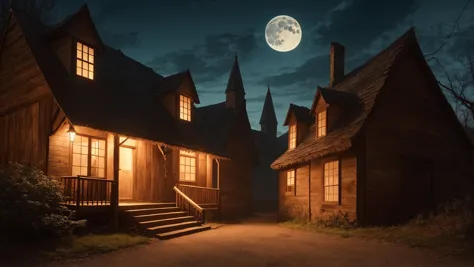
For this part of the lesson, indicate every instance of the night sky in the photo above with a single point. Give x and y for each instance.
(205, 35)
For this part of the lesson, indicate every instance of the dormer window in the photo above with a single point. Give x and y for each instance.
(321, 123)
(292, 136)
(85, 61)
(185, 108)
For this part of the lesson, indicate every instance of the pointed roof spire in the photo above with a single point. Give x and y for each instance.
(268, 112)
(235, 83)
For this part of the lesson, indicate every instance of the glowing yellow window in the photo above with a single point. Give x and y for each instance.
(88, 150)
(185, 108)
(290, 181)
(331, 181)
(85, 61)
(292, 136)
(322, 123)
(187, 166)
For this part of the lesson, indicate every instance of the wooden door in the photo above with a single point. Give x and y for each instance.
(126, 173)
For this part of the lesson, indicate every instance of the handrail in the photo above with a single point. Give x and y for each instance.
(199, 194)
(200, 187)
(192, 208)
(88, 178)
(195, 205)
(80, 191)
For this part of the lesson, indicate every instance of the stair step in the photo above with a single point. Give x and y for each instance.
(171, 227)
(182, 232)
(159, 216)
(147, 206)
(168, 221)
(151, 211)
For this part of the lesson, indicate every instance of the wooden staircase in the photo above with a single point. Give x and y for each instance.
(162, 220)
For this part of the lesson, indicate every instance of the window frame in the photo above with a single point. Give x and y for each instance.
(185, 154)
(338, 185)
(290, 190)
(75, 61)
(292, 138)
(318, 122)
(89, 155)
(189, 109)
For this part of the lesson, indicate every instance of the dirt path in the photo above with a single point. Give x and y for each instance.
(257, 244)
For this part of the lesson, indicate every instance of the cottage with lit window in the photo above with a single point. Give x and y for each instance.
(119, 136)
(379, 144)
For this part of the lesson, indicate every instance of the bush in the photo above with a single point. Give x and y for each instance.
(337, 220)
(30, 204)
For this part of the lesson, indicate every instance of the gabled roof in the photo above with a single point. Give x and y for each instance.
(81, 16)
(173, 82)
(334, 97)
(235, 83)
(268, 112)
(302, 114)
(119, 99)
(363, 83)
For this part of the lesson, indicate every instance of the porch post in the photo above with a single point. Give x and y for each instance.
(218, 186)
(115, 185)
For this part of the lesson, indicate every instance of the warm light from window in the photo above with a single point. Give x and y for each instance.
(290, 181)
(87, 150)
(185, 108)
(331, 181)
(187, 166)
(322, 123)
(85, 61)
(292, 136)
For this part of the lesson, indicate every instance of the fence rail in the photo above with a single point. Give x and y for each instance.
(86, 191)
(199, 194)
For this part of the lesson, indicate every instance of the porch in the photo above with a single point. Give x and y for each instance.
(86, 193)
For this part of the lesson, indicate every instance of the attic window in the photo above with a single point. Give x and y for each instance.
(185, 108)
(322, 123)
(85, 61)
(292, 136)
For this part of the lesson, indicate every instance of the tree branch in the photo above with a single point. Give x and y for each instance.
(448, 37)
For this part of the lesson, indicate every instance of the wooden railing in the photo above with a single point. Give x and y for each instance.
(185, 203)
(87, 191)
(201, 195)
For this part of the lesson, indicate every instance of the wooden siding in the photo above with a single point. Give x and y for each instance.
(299, 203)
(416, 155)
(21, 81)
(25, 134)
(295, 204)
(154, 177)
(347, 187)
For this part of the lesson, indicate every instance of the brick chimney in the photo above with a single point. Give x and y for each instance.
(336, 62)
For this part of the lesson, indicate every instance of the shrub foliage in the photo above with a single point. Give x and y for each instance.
(30, 204)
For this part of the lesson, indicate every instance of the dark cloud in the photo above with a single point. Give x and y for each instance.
(316, 68)
(210, 60)
(364, 20)
(120, 40)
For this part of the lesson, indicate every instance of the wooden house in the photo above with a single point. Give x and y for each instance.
(115, 132)
(380, 143)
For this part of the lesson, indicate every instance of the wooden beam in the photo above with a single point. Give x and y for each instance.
(125, 140)
(161, 150)
(115, 186)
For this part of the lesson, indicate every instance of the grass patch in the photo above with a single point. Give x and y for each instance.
(93, 244)
(449, 231)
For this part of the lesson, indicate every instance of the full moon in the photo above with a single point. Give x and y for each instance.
(283, 33)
